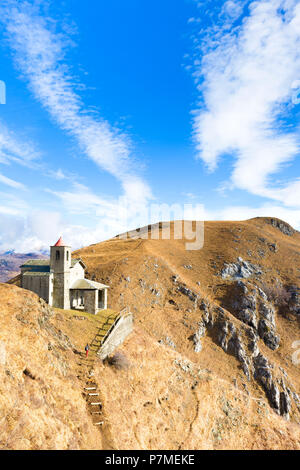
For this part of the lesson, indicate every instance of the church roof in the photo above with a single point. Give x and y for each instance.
(86, 284)
(37, 262)
(60, 242)
(44, 264)
(37, 265)
(77, 260)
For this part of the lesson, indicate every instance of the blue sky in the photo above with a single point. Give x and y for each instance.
(113, 108)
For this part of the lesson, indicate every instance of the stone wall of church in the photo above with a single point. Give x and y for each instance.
(77, 272)
(61, 290)
(41, 285)
(91, 301)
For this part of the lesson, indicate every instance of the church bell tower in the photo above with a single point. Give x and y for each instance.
(60, 264)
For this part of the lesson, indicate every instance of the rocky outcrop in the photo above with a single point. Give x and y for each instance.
(244, 305)
(240, 270)
(266, 325)
(188, 292)
(282, 226)
(242, 343)
(278, 393)
(197, 337)
(250, 305)
(230, 341)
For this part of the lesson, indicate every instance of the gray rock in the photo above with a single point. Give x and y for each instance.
(190, 294)
(240, 270)
(280, 400)
(268, 335)
(282, 226)
(253, 340)
(262, 294)
(230, 342)
(267, 311)
(170, 342)
(285, 404)
(155, 292)
(263, 372)
(245, 306)
(197, 337)
(273, 247)
(274, 396)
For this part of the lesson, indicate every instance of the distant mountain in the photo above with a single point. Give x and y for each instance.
(10, 262)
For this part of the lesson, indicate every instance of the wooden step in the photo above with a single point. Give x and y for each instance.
(98, 403)
(99, 424)
(93, 394)
(90, 388)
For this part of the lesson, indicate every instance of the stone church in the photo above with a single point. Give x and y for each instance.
(61, 283)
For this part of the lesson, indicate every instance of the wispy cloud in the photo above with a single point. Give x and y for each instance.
(115, 215)
(14, 149)
(245, 77)
(39, 52)
(12, 183)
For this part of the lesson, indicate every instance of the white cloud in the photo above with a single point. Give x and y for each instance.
(12, 183)
(292, 216)
(15, 149)
(39, 54)
(10, 203)
(248, 78)
(60, 175)
(233, 8)
(79, 199)
(109, 217)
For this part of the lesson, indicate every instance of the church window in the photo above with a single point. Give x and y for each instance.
(57, 255)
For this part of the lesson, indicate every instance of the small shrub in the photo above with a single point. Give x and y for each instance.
(277, 294)
(119, 361)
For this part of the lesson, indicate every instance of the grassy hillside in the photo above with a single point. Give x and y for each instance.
(209, 364)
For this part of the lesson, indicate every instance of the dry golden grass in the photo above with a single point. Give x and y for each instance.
(42, 408)
(170, 397)
(150, 264)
